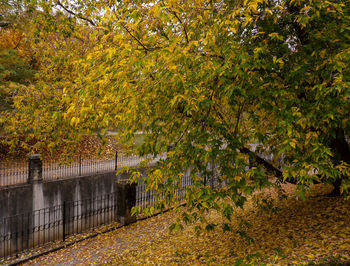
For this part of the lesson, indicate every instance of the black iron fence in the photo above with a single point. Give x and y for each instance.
(34, 229)
(146, 198)
(14, 173)
(53, 169)
(30, 229)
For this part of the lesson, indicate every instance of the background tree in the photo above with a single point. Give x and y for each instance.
(39, 51)
(17, 62)
(213, 78)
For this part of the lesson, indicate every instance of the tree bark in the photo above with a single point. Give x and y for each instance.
(268, 166)
(341, 151)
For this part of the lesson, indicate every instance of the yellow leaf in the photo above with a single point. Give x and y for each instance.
(237, 178)
(292, 144)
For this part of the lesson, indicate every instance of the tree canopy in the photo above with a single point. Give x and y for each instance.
(225, 82)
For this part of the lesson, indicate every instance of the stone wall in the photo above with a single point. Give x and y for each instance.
(30, 197)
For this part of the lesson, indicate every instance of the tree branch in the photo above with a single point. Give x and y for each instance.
(183, 26)
(74, 14)
(268, 166)
(4, 24)
(136, 39)
(239, 113)
(213, 55)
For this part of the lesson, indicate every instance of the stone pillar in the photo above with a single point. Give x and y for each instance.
(35, 169)
(126, 199)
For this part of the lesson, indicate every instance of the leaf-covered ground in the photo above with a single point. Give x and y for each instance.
(102, 248)
(316, 230)
(89, 146)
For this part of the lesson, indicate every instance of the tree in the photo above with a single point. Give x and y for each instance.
(213, 78)
(17, 60)
(45, 45)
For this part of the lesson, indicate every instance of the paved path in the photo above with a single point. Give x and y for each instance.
(102, 248)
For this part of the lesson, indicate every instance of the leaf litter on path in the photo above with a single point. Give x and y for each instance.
(315, 230)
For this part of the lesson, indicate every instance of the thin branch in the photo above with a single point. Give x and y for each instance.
(182, 135)
(213, 55)
(183, 26)
(149, 48)
(162, 32)
(239, 113)
(136, 39)
(133, 36)
(74, 14)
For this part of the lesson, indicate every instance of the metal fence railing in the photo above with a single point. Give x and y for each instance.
(79, 166)
(33, 229)
(12, 173)
(146, 198)
(132, 160)
(28, 230)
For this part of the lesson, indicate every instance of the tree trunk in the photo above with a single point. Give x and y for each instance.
(336, 188)
(341, 151)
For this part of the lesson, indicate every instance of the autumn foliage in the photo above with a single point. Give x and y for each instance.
(254, 91)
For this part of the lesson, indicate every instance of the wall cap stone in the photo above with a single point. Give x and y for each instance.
(124, 181)
(34, 156)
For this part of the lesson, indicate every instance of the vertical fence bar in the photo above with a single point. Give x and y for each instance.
(15, 173)
(64, 222)
(80, 165)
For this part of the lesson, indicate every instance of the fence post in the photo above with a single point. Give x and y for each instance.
(126, 199)
(116, 161)
(35, 169)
